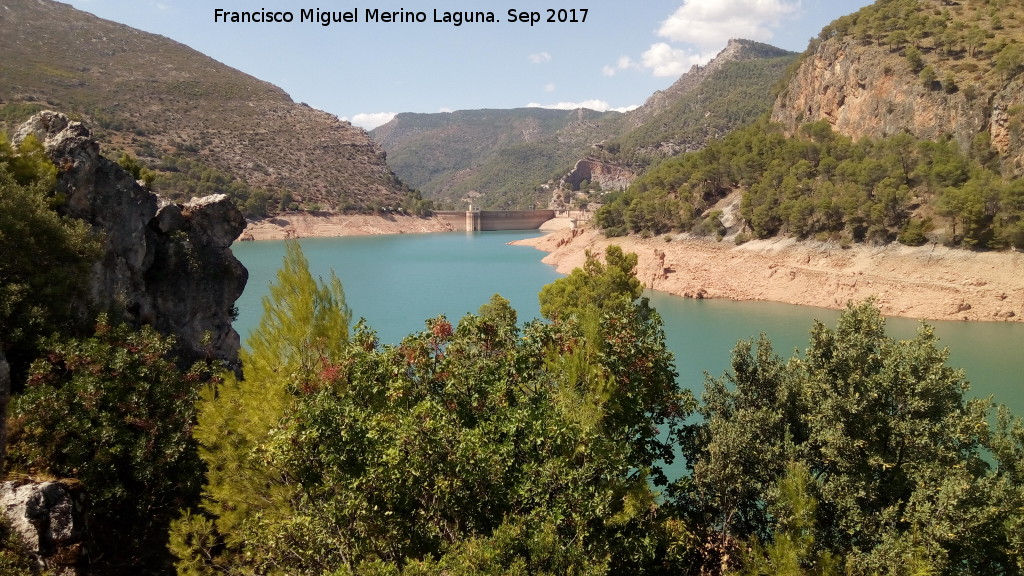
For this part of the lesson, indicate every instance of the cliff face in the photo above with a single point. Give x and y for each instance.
(610, 176)
(164, 264)
(868, 90)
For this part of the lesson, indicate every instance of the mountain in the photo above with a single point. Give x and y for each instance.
(203, 127)
(706, 103)
(902, 122)
(930, 68)
(508, 158)
(497, 158)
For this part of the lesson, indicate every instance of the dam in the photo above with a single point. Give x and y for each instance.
(474, 220)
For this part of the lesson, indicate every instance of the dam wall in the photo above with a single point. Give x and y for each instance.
(488, 220)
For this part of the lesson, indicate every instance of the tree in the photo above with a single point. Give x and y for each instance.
(594, 285)
(137, 169)
(884, 431)
(473, 448)
(914, 59)
(45, 260)
(303, 331)
(928, 77)
(115, 412)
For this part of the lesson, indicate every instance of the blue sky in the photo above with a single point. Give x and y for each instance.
(367, 71)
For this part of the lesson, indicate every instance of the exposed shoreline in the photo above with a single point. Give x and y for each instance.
(928, 282)
(322, 225)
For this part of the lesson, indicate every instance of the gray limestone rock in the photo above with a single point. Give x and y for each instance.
(50, 519)
(164, 264)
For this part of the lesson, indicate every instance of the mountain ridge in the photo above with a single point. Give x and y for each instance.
(200, 125)
(545, 155)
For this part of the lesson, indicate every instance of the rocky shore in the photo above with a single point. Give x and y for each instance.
(316, 225)
(930, 282)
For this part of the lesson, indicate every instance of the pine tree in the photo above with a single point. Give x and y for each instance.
(305, 327)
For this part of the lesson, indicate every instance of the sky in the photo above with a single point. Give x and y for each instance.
(613, 58)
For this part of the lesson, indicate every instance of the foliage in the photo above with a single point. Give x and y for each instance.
(474, 448)
(180, 178)
(896, 480)
(137, 169)
(116, 413)
(45, 256)
(28, 164)
(304, 328)
(595, 285)
(14, 558)
(822, 184)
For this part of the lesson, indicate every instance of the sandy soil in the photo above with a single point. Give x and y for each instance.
(930, 282)
(304, 225)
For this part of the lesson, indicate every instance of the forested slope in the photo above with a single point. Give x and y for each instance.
(900, 123)
(494, 158)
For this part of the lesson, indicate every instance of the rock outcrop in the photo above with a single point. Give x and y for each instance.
(609, 175)
(867, 90)
(50, 518)
(164, 264)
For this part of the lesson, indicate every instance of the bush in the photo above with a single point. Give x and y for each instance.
(114, 412)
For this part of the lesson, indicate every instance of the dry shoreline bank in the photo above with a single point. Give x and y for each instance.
(929, 282)
(306, 225)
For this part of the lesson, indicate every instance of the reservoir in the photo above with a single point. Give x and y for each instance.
(398, 281)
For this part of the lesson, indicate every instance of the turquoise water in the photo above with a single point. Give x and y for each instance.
(396, 282)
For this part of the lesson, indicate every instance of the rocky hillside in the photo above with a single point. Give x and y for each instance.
(520, 158)
(705, 103)
(201, 126)
(495, 158)
(932, 68)
(902, 122)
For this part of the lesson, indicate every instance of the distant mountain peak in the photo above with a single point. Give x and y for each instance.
(736, 50)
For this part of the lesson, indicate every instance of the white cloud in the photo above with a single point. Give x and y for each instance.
(664, 60)
(710, 23)
(446, 109)
(598, 105)
(371, 121)
(540, 58)
(623, 63)
(549, 87)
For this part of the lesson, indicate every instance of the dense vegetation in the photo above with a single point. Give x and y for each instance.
(484, 448)
(819, 184)
(487, 447)
(44, 255)
(974, 45)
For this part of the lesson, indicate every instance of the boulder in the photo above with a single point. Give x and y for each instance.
(50, 519)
